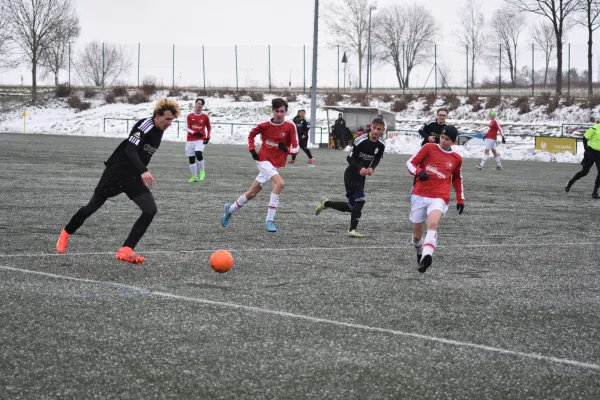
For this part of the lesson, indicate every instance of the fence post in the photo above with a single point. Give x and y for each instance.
(70, 71)
(127, 120)
(237, 86)
(500, 71)
(173, 66)
(139, 49)
(569, 73)
(203, 70)
(104, 129)
(304, 66)
(435, 65)
(467, 70)
(338, 60)
(269, 48)
(532, 71)
(103, 65)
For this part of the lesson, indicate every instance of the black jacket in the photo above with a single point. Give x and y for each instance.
(431, 128)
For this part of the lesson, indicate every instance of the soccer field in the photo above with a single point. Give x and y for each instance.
(509, 309)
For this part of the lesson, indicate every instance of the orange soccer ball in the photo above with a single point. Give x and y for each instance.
(221, 261)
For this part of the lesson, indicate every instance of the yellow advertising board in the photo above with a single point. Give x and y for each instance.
(556, 145)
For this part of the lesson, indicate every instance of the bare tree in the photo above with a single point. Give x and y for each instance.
(32, 25)
(544, 39)
(388, 35)
(5, 38)
(507, 27)
(348, 21)
(560, 13)
(102, 63)
(590, 19)
(55, 56)
(473, 35)
(420, 34)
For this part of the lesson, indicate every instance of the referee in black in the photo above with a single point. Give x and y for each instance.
(126, 172)
(364, 157)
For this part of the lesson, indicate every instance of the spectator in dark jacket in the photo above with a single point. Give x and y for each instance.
(339, 130)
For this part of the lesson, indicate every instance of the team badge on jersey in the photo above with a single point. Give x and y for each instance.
(449, 165)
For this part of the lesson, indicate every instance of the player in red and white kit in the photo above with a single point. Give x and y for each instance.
(198, 129)
(279, 138)
(435, 166)
(491, 137)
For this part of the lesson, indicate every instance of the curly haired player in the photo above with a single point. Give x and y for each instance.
(126, 172)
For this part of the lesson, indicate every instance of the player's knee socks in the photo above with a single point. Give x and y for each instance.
(307, 151)
(356, 214)
(498, 160)
(293, 156)
(84, 213)
(199, 156)
(342, 206)
(418, 245)
(201, 165)
(484, 159)
(273, 203)
(148, 206)
(430, 242)
(584, 171)
(239, 203)
(193, 169)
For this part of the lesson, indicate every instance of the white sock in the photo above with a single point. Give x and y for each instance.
(430, 243)
(483, 160)
(238, 204)
(193, 169)
(418, 244)
(498, 160)
(273, 203)
(201, 164)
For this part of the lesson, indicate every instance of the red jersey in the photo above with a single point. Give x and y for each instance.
(443, 167)
(271, 135)
(198, 127)
(494, 130)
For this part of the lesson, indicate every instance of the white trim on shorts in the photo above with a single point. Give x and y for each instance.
(421, 207)
(266, 171)
(192, 146)
(490, 144)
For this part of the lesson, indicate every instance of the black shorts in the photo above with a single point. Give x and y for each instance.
(303, 143)
(116, 181)
(590, 157)
(354, 182)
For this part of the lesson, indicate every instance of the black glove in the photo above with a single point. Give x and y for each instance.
(460, 208)
(423, 176)
(206, 140)
(503, 141)
(254, 154)
(282, 147)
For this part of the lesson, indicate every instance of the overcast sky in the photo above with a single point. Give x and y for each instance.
(284, 23)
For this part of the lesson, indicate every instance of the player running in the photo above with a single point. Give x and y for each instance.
(303, 128)
(362, 161)
(435, 166)
(279, 138)
(491, 138)
(198, 128)
(126, 172)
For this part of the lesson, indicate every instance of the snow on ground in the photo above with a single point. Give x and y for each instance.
(232, 121)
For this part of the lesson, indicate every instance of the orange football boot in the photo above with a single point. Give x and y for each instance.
(126, 254)
(63, 242)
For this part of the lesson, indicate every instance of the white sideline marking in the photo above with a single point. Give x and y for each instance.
(322, 320)
(291, 249)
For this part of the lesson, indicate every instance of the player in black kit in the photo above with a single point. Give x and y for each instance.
(126, 172)
(431, 130)
(303, 128)
(362, 161)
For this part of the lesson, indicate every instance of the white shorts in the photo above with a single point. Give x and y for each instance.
(490, 144)
(192, 147)
(266, 171)
(421, 207)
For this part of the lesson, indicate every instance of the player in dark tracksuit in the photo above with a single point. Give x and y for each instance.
(303, 128)
(126, 172)
(362, 161)
(431, 130)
